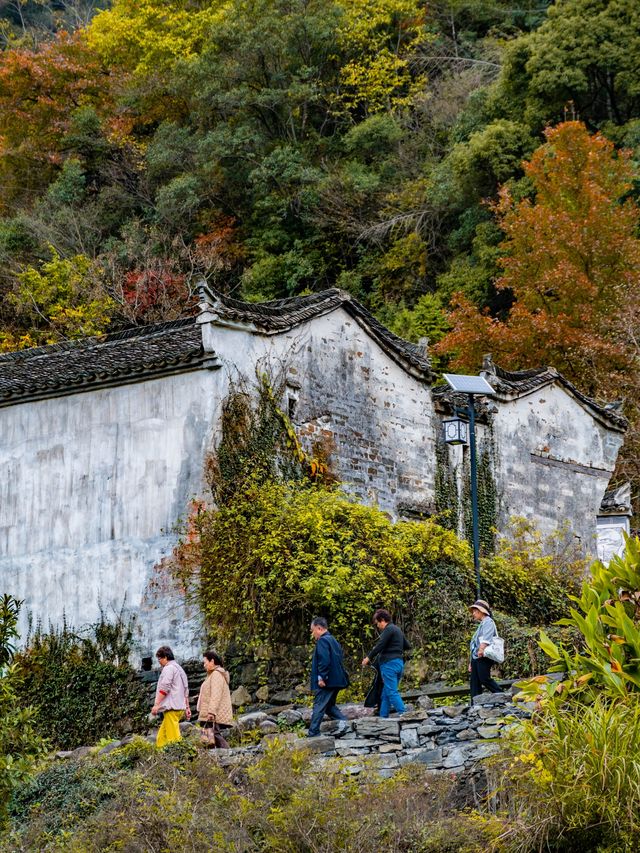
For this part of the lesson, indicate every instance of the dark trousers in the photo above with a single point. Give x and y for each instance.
(324, 703)
(481, 677)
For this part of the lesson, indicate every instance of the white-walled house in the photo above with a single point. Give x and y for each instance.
(103, 442)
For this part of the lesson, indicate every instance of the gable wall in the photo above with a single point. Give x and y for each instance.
(377, 418)
(91, 486)
(553, 461)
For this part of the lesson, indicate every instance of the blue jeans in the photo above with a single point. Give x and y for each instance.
(391, 672)
(324, 703)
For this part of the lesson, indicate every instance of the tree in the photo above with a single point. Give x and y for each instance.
(572, 266)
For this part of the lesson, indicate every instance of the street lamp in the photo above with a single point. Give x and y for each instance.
(471, 386)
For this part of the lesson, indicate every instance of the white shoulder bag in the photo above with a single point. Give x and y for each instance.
(495, 650)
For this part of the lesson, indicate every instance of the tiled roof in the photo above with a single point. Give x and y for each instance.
(147, 351)
(518, 383)
(617, 501)
(283, 314)
(59, 368)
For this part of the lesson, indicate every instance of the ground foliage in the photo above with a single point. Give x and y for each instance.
(80, 683)
(573, 779)
(140, 799)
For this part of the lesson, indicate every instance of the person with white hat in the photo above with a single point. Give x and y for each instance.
(480, 666)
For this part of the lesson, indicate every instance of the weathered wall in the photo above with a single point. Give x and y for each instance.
(379, 420)
(553, 462)
(91, 487)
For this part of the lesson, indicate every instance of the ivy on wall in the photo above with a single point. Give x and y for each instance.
(487, 500)
(446, 489)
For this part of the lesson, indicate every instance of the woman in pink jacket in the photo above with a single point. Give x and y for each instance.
(215, 711)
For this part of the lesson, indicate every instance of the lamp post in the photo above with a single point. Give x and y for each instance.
(453, 434)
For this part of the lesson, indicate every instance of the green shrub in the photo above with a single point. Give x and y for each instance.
(574, 783)
(181, 800)
(21, 742)
(532, 577)
(82, 686)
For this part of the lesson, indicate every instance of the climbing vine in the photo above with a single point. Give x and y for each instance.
(259, 442)
(446, 489)
(487, 500)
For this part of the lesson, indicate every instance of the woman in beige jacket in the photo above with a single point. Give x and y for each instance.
(214, 702)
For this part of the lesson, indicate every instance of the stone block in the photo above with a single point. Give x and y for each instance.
(110, 747)
(290, 716)
(389, 747)
(466, 734)
(454, 758)
(429, 729)
(452, 711)
(351, 751)
(268, 727)
(478, 751)
(262, 693)
(83, 751)
(375, 727)
(492, 699)
(251, 721)
(489, 731)
(320, 743)
(430, 757)
(409, 737)
(425, 702)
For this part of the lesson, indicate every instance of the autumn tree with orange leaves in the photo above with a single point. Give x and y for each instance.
(572, 266)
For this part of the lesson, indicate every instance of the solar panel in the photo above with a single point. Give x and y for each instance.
(468, 384)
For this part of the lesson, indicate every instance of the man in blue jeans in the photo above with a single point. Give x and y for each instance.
(328, 677)
(389, 650)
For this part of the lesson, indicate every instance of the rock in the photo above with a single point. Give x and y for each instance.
(453, 711)
(284, 697)
(353, 769)
(466, 734)
(355, 711)
(375, 727)
(476, 752)
(281, 737)
(389, 747)
(338, 728)
(492, 699)
(425, 702)
(64, 754)
(346, 752)
(428, 757)
(82, 752)
(268, 727)
(251, 721)
(387, 761)
(413, 716)
(409, 737)
(429, 729)
(489, 731)
(110, 747)
(186, 727)
(290, 716)
(454, 758)
(306, 714)
(320, 743)
(262, 693)
(240, 696)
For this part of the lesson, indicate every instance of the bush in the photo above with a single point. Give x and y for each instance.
(179, 799)
(21, 745)
(574, 783)
(82, 686)
(532, 577)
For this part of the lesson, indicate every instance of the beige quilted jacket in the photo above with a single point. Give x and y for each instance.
(215, 698)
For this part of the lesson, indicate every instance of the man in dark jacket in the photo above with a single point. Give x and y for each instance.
(328, 676)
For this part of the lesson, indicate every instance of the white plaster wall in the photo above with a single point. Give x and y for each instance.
(379, 419)
(554, 427)
(91, 488)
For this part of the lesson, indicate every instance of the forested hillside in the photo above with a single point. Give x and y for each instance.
(466, 168)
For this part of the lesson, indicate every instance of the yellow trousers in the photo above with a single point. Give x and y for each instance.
(169, 728)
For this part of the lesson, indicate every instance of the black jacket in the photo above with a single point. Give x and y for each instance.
(327, 663)
(391, 644)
